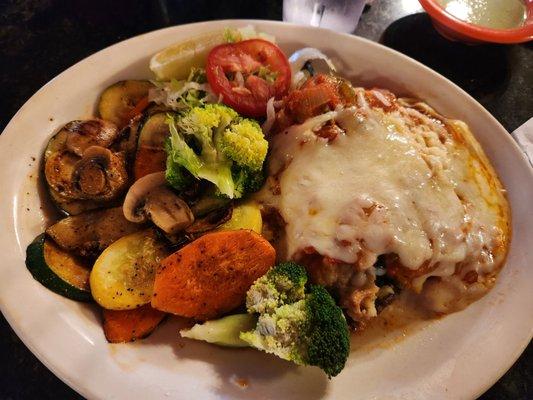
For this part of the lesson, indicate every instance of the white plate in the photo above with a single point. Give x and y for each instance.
(459, 356)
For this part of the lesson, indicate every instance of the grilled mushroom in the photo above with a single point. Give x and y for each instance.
(167, 211)
(202, 225)
(100, 174)
(79, 166)
(210, 221)
(94, 132)
(150, 198)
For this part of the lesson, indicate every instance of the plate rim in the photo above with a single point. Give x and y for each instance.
(88, 393)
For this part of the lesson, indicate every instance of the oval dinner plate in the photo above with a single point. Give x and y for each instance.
(458, 356)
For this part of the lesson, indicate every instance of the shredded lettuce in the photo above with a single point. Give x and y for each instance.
(182, 95)
(232, 35)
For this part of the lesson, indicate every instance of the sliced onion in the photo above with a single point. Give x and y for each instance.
(298, 59)
(271, 116)
(278, 103)
(361, 100)
(211, 96)
(311, 124)
(157, 95)
(298, 79)
(239, 78)
(381, 97)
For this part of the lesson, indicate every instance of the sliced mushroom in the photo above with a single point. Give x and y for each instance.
(210, 221)
(136, 196)
(208, 203)
(93, 132)
(100, 174)
(79, 167)
(150, 198)
(168, 211)
(201, 226)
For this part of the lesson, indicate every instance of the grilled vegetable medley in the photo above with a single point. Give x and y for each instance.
(159, 217)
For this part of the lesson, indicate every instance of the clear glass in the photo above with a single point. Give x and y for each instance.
(338, 15)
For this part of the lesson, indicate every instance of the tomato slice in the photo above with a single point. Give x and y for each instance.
(247, 74)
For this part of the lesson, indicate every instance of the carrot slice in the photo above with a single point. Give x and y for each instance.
(139, 107)
(149, 160)
(122, 326)
(211, 275)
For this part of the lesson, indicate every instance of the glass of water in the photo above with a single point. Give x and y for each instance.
(339, 15)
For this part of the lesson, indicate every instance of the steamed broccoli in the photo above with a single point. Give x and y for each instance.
(244, 143)
(224, 331)
(283, 332)
(307, 328)
(295, 322)
(177, 176)
(215, 144)
(246, 180)
(283, 284)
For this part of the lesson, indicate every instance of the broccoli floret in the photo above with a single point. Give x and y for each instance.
(283, 284)
(224, 331)
(247, 181)
(245, 144)
(307, 328)
(280, 332)
(213, 143)
(177, 176)
(328, 338)
(180, 152)
(202, 124)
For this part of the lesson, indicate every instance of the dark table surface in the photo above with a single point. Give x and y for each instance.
(39, 39)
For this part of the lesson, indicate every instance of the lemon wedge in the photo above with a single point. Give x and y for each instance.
(177, 60)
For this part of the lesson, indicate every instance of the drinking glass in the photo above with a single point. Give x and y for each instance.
(338, 15)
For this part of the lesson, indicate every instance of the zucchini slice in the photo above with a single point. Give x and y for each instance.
(123, 276)
(58, 270)
(118, 100)
(151, 155)
(55, 144)
(88, 234)
(246, 215)
(72, 207)
(154, 131)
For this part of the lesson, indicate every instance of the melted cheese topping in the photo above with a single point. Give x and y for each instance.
(397, 182)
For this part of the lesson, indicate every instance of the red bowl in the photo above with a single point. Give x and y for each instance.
(455, 29)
